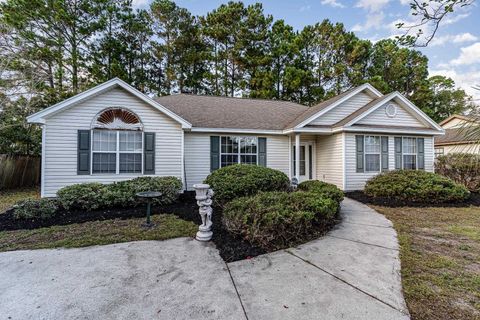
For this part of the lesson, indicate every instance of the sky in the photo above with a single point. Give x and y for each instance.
(454, 52)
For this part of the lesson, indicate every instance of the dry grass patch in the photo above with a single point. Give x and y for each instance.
(440, 254)
(9, 197)
(97, 233)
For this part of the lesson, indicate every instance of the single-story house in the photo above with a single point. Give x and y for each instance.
(462, 135)
(114, 132)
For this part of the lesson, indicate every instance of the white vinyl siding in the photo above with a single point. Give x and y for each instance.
(461, 148)
(343, 110)
(356, 180)
(197, 155)
(402, 119)
(61, 140)
(329, 155)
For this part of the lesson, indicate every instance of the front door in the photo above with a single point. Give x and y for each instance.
(306, 156)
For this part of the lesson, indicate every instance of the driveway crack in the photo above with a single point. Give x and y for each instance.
(366, 243)
(347, 283)
(236, 290)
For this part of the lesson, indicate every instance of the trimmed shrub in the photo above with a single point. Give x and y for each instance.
(415, 186)
(35, 209)
(123, 193)
(323, 188)
(93, 196)
(462, 168)
(83, 196)
(243, 180)
(274, 220)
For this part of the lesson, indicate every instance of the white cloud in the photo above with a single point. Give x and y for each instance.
(458, 38)
(452, 19)
(374, 21)
(372, 5)
(468, 55)
(375, 15)
(463, 79)
(333, 3)
(140, 3)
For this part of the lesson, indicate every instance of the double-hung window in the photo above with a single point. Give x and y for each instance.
(234, 150)
(372, 153)
(117, 152)
(439, 152)
(409, 152)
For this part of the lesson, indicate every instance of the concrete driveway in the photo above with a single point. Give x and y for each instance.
(352, 273)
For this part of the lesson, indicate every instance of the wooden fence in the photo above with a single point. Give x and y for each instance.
(19, 171)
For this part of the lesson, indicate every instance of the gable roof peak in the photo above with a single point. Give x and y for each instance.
(317, 110)
(39, 117)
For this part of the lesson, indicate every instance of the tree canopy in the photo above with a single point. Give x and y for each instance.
(52, 49)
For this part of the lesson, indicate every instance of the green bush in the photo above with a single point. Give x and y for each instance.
(123, 193)
(415, 186)
(35, 209)
(243, 180)
(462, 168)
(274, 220)
(93, 196)
(83, 196)
(326, 189)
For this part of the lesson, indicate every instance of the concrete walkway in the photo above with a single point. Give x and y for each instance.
(352, 273)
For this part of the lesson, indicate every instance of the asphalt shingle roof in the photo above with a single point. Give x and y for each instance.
(242, 113)
(238, 113)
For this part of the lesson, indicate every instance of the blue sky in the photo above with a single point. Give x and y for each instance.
(455, 51)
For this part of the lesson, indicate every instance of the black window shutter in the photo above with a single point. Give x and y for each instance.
(398, 153)
(421, 153)
(360, 152)
(214, 153)
(310, 162)
(149, 153)
(262, 152)
(83, 148)
(384, 153)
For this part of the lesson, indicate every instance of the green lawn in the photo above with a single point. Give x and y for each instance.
(97, 233)
(440, 255)
(9, 197)
(88, 233)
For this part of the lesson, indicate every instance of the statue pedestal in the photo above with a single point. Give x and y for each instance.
(204, 200)
(204, 233)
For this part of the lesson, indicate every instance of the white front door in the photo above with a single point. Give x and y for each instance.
(306, 156)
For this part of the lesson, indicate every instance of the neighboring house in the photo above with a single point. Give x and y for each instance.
(113, 132)
(460, 136)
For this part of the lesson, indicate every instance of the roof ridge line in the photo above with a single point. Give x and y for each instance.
(227, 97)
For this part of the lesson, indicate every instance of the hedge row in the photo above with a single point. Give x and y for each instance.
(274, 220)
(245, 180)
(94, 196)
(415, 186)
(260, 207)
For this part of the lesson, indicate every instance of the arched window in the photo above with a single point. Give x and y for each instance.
(117, 142)
(117, 119)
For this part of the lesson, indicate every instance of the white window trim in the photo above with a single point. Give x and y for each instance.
(410, 154)
(117, 157)
(238, 153)
(372, 153)
(439, 153)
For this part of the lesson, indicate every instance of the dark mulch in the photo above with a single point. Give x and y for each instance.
(8, 222)
(474, 200)
(231, 247)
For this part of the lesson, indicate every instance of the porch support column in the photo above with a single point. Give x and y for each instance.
(297, 156)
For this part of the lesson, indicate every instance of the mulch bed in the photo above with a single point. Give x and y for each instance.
(231, 247)
(360, 196)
